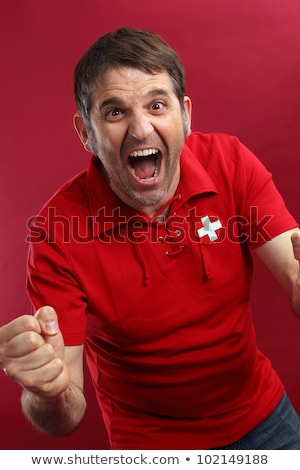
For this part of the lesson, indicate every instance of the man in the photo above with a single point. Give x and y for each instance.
(144, 261)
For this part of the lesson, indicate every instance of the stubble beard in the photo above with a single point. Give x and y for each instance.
(148, 198)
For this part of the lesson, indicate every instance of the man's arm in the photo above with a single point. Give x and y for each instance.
(281, 255)
(61, 414)
(32, 352)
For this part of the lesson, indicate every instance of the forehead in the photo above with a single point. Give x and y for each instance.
(131, 83)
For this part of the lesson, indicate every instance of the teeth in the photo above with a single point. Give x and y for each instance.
(143, 153)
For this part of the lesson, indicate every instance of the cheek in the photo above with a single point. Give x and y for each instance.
(112, 140)
(175, 132)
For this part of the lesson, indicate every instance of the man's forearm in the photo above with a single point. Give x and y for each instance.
(58, 416)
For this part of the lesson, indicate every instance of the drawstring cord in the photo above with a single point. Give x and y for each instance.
(205, 271)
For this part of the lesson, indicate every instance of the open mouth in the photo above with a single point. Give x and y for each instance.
(145, 163)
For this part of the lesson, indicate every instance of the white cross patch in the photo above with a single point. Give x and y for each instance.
(209, 228)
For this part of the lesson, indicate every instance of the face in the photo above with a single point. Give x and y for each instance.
(137, 130)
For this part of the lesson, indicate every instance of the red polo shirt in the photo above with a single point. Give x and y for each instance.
(163, 306)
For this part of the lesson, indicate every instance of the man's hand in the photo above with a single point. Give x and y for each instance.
(32, 353)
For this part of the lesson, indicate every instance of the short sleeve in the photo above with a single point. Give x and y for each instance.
(259, 201)
(50, 281)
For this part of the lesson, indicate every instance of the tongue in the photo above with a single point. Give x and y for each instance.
(144, 168)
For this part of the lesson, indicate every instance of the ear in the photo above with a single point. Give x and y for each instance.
(187, 103)
(80, 128)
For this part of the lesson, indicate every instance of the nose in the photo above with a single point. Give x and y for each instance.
(140, 126)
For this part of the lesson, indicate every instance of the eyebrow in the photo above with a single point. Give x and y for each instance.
(114, 101)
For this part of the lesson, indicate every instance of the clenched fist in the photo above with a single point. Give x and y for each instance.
(32, 353)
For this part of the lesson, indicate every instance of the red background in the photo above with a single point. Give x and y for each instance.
(243, 74)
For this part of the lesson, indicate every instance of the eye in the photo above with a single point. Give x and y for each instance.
(113, 114)
(157, 106)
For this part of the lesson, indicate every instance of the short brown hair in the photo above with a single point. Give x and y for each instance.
(125, 47)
